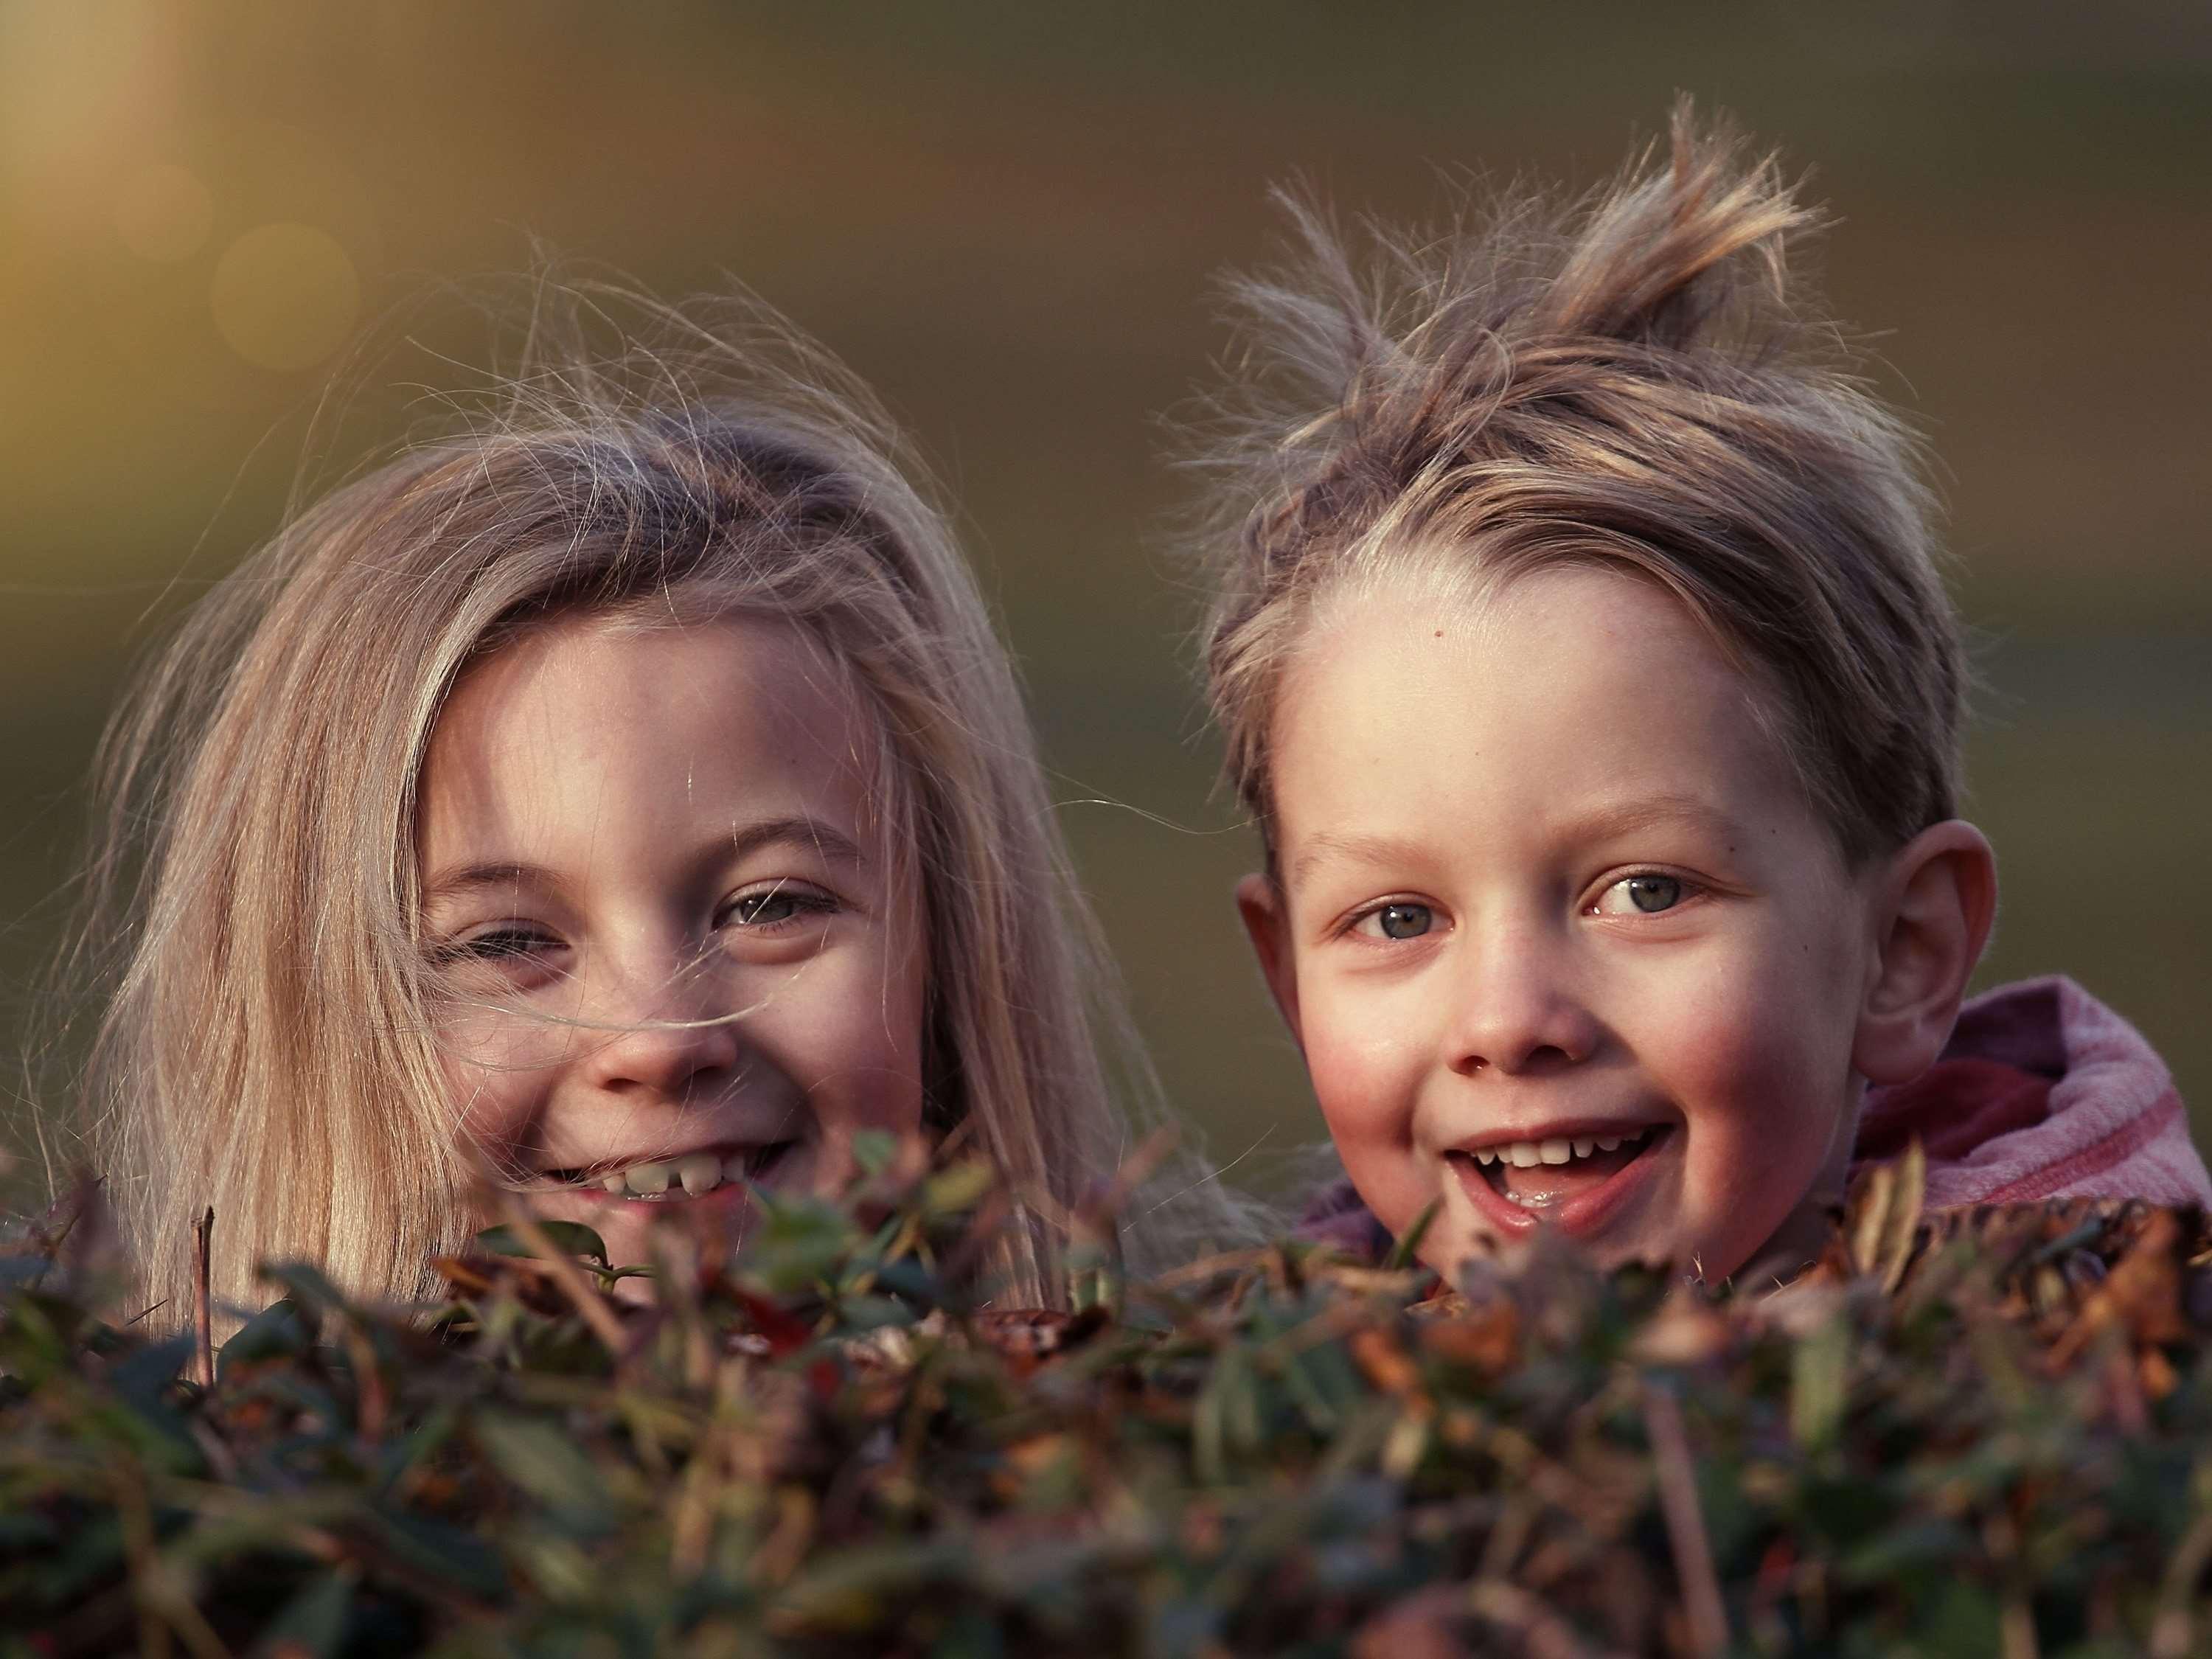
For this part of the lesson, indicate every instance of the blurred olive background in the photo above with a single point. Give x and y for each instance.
(1007, 215)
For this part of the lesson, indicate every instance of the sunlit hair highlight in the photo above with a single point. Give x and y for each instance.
(268, 1046)
(1633, 380)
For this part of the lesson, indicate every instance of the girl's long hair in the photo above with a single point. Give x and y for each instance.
(267, 1044)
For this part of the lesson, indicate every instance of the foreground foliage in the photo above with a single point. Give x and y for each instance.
(1990, 1434)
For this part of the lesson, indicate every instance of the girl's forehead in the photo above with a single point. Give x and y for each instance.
(586, 725)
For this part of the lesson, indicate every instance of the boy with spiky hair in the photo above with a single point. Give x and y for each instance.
(1582, 652)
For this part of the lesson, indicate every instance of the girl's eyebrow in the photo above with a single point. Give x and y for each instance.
(745, 839)
(470, 877)
(801, 830)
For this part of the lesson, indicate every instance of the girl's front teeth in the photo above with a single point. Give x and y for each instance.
(699, 1172)
(1528, 1154)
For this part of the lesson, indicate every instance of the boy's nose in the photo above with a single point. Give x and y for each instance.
(1516, 1011)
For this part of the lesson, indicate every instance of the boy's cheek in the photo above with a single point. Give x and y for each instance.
(1366, 1077)
(1366, 1085)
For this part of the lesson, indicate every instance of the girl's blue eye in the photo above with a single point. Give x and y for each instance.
(1403, 920)
(1646, 894)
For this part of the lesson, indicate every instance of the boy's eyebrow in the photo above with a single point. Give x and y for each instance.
(1603, 824)
(1625, 817)
(745, 839)
(1366, 849)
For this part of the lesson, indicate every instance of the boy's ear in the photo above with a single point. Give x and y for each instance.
(1259, 901)
(1936, 901)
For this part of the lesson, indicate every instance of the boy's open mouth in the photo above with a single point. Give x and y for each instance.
(1539, 1175)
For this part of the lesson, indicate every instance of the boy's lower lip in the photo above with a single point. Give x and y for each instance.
(1582, 1216)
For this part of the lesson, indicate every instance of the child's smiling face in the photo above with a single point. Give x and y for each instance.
(1545, 877)
(671, 942)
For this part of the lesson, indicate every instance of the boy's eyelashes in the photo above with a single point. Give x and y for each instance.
(1399, 918)
(1632, 894)
(1643, 893)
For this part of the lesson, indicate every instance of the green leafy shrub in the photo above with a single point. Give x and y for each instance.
(1989, 1433)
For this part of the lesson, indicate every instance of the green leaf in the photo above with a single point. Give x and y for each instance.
(313, 1621)
(873, 1150)
(307, 1284)
(1402, 1253)
(281, 1330)
(545, 1463)
(569, 1237)
(1819, 1383)
(958, 1188)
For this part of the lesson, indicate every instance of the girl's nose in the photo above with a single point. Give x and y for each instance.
(665, 1038)
(1517, 1011)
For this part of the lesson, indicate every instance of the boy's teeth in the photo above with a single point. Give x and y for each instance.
(701, 1172)
(1528, 1154)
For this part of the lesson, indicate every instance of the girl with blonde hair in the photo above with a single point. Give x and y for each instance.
(626, 794)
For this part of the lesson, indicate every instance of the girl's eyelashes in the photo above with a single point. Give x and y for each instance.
(502, 943)
(773, 908)
(776, 907)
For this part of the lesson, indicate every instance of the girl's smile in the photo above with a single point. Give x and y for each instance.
(672, 950)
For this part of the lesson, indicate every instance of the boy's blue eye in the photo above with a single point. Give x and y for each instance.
(1647, 894)
(1403, 920)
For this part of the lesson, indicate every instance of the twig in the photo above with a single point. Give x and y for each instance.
(563, 1271)
(1686, 1524)
(203, 1307)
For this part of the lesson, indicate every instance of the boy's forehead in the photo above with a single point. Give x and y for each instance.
(1575, 703)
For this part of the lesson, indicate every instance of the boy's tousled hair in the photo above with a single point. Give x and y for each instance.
(268, 1042)
(1629, 381)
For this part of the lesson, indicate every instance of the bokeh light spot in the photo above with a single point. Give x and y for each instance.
(164, 213)
(285, 295)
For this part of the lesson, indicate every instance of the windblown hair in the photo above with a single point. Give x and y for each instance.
(268, 1042)
(1631, 381)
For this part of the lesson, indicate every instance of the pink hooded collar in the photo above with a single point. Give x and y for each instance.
(2042, 1093)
